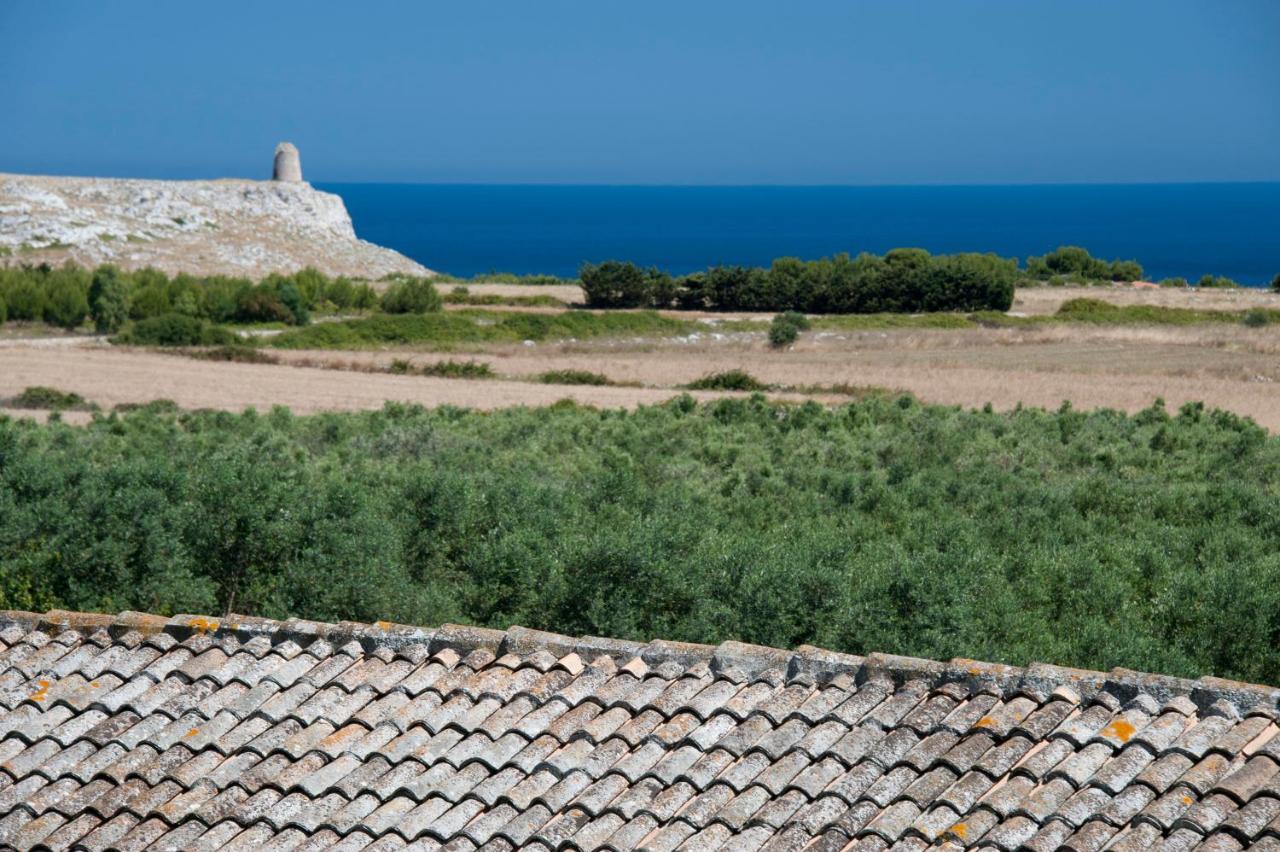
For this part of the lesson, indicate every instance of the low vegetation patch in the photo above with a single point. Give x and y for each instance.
(1100, 312)
(239, 353)
(461, 296)
(455, 328)
(502, 278)
(786, 328)
(443, 369)
(730, 380)
(573, 377)
(175, 330)
(411, 296)
(50, 399)
(841, 389)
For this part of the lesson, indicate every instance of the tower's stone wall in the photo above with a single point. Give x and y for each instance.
(287, 166)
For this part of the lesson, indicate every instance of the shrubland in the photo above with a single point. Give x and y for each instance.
(1072, 264)
(1097, 540)
(902, 281)
(69, 295)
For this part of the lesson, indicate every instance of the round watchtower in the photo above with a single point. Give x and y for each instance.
(287, 165)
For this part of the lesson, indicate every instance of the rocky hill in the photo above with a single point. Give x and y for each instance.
(205, 227)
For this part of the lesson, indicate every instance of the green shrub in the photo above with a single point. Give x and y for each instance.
(442, 369)
(1275, 283)
(67, 297)
(25, 299)
(786, 328)
(731, 380)
(52, 399)
(1219, 282)
(235, 352)
(1125, 270)
(108, 299)
(341, 293)
(259, 304)
(1074, 264)
(1256, 318)
(4, 310)
(175, 330)
(365, 298)
(1174, 282)
(782, 334)
(412, 296)
(573, 377)
(457, 370)
(615, 284)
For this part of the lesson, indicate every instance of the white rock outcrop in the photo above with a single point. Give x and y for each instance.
(205, 227)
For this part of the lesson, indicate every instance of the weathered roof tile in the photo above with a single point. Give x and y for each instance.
(202, 733)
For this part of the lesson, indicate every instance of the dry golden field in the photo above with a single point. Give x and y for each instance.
(1125, 367)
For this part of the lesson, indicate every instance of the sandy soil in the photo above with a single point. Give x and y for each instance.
(1126, 368)
(112, 376)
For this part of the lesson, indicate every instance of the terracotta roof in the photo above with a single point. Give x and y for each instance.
(136, 731)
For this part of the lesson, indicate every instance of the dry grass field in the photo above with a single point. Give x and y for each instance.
(1125, 367)
(1046, 300)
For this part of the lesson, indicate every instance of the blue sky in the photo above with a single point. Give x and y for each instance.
(742, 92)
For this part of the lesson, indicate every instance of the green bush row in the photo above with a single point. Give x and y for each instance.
(1088, 539)
(69, 295)
(902, 281)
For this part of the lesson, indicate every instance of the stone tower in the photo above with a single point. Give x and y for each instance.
(287, 164)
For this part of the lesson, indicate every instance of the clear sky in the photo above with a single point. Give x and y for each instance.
(740, 92)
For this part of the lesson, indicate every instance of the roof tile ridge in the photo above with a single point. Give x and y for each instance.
(804, 662)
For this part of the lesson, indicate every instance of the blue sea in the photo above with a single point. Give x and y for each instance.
(1172, 229)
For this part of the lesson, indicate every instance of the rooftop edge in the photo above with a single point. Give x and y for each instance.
(804, 662)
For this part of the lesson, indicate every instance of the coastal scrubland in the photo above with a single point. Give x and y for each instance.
(1146, 541)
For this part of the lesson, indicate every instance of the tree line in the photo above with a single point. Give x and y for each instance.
(69, 295)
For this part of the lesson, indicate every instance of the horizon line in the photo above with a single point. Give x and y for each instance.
(620, 185)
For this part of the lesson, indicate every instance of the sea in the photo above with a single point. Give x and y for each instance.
(1186, 230)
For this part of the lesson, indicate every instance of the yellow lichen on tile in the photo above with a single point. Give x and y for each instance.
(1120, 729)
(200, 624)
(42, 690)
